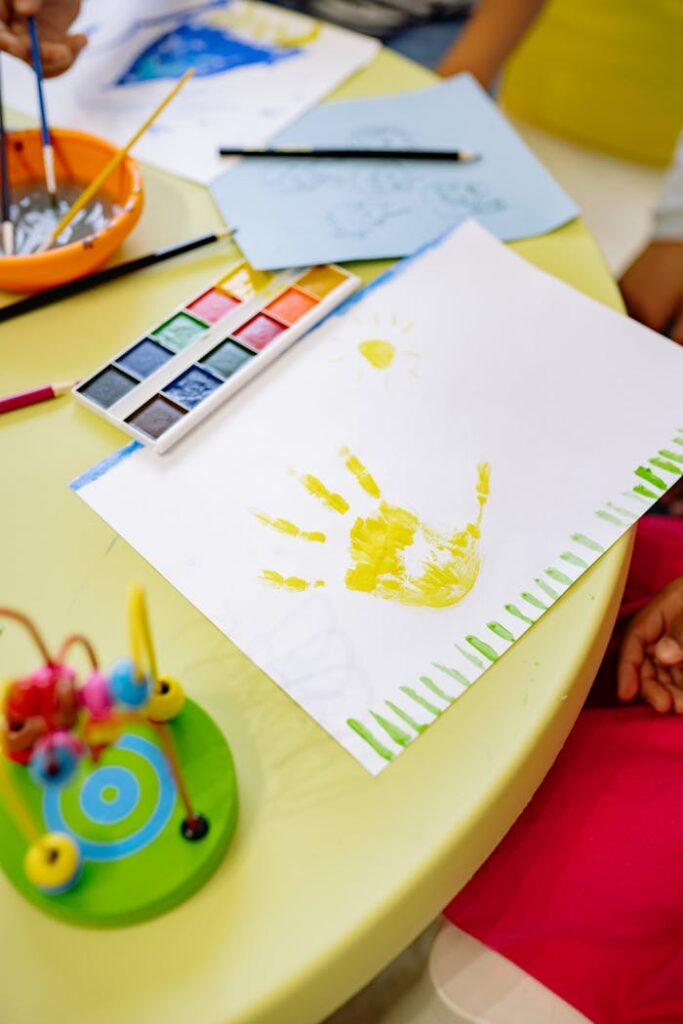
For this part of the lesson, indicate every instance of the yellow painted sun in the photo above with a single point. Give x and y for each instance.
(378, 352)
(379, 341)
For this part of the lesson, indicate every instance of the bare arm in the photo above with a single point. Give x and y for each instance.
(653, 285)
(494, 30)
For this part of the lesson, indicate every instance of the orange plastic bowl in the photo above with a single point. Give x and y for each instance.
(78, 158)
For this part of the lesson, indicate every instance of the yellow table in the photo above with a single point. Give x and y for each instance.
(332, 872)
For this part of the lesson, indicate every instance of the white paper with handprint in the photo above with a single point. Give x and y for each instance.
(380, 515)
(330, 211)
(257, 67)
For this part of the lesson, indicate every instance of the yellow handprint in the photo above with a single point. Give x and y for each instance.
(378, 544)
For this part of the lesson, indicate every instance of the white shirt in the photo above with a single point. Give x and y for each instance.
(668, 215)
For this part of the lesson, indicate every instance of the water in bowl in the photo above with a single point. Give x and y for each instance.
(34, 216)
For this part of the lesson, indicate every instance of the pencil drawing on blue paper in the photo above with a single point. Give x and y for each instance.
(349, 209)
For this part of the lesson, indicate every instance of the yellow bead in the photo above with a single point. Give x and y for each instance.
(166, 701)
(103, 732)
(53, 863)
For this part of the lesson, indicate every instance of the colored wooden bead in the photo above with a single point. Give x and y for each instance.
(167, 701)
(65, 714)
(96, 695)
(53, 863)
(20, 736)
(126, 687)
(55, 759)
(36, 705)
(51, 692)
(99, 733)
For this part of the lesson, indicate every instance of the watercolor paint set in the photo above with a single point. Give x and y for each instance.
(171, 378)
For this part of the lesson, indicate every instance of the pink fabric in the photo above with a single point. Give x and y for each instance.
(657, 560)
(585, 892)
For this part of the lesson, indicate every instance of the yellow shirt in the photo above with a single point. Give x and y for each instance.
(605, 73)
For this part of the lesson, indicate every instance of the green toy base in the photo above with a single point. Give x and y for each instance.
(127, 819)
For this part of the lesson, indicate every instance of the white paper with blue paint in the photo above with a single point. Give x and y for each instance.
(257, 67)
(298, 212)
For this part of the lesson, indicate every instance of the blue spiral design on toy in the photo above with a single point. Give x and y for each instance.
(98, 806)
(124, 791)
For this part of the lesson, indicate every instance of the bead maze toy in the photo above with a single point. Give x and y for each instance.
(118, 796)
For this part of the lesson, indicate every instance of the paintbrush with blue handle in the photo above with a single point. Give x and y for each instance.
(48, 152)
(5, 201)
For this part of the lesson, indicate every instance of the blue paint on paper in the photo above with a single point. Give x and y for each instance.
(206, 48)
(95, 472)
(334, 211)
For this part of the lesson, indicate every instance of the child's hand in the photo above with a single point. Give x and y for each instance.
(653, 288)
(58, 49)
(651, 657)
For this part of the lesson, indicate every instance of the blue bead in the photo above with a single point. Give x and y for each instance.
(53, 763)
(126, 687)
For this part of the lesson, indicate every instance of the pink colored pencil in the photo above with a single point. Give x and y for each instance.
(13, 402)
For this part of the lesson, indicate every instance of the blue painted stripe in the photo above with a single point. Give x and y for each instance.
(98, 470)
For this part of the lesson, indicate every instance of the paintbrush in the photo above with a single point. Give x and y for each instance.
(84, 284)
(95, 185)
(48, 152)
(7, 225)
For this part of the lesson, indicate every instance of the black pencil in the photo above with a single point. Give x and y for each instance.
(84, 284)
(7, 225)
(301, 153)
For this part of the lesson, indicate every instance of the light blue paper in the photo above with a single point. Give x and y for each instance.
(299, 212)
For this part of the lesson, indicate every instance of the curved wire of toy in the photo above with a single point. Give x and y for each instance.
(32, 629)
(144, 659)
(71, 641)
(166, 742)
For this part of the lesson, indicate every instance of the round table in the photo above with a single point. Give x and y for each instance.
(333, 872)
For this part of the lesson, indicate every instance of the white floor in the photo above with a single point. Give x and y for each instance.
(448, 977)
(616, 199)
